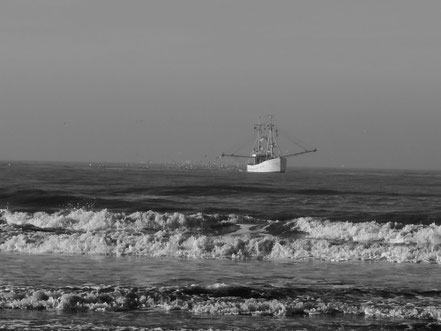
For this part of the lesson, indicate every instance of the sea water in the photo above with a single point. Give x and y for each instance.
(160, 247)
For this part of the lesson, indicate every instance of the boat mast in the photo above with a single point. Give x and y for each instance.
(258, 129)
(272, 134)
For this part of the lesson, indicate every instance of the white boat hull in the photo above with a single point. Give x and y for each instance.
(274, 165)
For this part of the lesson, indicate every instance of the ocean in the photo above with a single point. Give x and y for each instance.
(182, 247)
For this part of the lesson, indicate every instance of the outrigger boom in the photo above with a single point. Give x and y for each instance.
(287, 155)
(300, 153)
(234, 155)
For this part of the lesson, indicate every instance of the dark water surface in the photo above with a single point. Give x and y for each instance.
(130, 247)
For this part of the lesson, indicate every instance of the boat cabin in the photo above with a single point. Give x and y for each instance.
(258, 158)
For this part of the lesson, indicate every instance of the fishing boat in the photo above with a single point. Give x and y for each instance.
(266, 155)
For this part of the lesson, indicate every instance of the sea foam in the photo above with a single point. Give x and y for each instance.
(224, 300)
(155, 234)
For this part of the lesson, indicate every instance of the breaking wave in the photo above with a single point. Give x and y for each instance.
(154, 234)
(224, 299)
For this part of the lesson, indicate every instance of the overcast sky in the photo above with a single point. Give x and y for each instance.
(103, 80)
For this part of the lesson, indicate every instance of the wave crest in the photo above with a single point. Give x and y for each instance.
(228, 300)
(200, 235)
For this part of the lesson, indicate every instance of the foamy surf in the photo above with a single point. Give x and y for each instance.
(154, 234)
(229, 300)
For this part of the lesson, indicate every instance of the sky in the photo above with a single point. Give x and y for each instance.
(164, 81)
